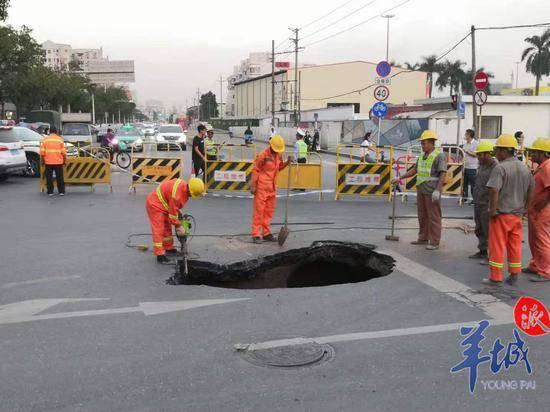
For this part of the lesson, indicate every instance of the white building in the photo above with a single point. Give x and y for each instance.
(56, 55)
(84, 56)
(501, 114)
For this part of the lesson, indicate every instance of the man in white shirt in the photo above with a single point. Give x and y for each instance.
(470, 163)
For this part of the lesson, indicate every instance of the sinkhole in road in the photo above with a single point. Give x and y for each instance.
(323, 263)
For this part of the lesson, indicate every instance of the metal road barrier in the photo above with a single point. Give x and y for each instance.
(305, 176)
(354, 177)
(454, 181)
(231, 168)
(151, 167)
(84, 170)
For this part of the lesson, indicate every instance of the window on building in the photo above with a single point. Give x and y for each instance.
(48, 51)
(356, 106)
(491, 127)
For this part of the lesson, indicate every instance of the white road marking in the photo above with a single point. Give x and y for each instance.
(499, 313)
(349, 337)
(309, 192)
(40, 280)
(27, 311)
(490, 305)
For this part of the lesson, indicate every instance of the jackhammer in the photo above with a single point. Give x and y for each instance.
(182, 270)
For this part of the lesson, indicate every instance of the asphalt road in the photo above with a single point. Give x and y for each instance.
(88, 324)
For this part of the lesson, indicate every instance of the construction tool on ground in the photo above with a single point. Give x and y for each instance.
(182, 270)
(283, 233)
(392, 236)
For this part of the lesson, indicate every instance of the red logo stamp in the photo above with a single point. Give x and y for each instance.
(531, 316)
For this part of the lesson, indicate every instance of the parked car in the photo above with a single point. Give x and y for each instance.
(172, 133)
(12, 156)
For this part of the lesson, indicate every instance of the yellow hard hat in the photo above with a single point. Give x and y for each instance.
(196, 187)
(277, 143)
(506, 141)
(484, 146)
(428, 134)
(542, 144)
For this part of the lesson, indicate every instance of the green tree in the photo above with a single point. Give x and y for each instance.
(4, 5)
(466, 82)
(429, 65)
(414, 66)
(537, 57)
(208, 106)
(451, 75)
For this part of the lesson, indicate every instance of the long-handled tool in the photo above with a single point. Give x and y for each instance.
(283, 233)
(392, 236)
(182, 270)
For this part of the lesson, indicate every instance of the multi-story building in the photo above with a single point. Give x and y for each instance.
(84, 56)
(57, 55)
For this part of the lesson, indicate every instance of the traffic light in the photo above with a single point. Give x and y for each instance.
(454, 101)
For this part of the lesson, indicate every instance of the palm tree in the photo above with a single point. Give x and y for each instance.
(467, 87)
(537, 57)
(414, 66)
(452, 75)
(430, 66)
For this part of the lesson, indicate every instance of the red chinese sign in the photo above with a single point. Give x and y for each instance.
(531, 316)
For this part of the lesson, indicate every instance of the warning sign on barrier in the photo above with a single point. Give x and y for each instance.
(233, 176)
(82, 171)
(362, 179)
(229, 176)
(157, 170)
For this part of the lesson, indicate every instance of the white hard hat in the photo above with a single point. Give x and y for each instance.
(209, 128)
(300, 132)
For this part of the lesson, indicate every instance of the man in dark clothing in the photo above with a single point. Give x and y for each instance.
(198, 156)
(487, 163)
(315, 144)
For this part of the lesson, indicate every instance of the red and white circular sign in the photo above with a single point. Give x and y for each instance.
(531, 316)
(381, 93)
(481, 81)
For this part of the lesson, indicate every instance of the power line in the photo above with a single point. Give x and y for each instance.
(326, 15)
(454, 47)
(340, 19)
(359, 24)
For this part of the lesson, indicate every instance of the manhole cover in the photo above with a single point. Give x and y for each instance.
(290, 356)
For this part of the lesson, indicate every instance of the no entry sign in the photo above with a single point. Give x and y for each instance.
(481, 81)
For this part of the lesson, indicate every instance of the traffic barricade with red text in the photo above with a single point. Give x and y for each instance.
(304, 176)
(86, 170)
(454, 180)
(357, 178)
(231, 168)
(152, 167)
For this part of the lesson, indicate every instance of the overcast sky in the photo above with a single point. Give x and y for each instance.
(179, 46)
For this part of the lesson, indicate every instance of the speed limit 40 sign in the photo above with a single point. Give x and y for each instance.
(381, 93)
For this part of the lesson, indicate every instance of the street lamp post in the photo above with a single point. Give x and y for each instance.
(387, 17)
(517, 73)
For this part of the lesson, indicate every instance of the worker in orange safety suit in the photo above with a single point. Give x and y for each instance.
(53, 155)
(539, 213)
(163, 206)
(510, 187)
(266, 167)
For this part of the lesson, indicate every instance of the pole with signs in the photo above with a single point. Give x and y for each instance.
(458, 116)
(380, 109)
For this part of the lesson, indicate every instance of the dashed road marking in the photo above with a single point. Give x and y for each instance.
(40, 280)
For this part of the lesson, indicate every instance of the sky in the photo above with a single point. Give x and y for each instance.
(181, 46)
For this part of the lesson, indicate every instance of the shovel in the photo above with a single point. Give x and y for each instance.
(283, 233)
(392, 236)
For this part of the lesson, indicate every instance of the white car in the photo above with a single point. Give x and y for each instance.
(172, 133)
(31, 145)
(12, 156)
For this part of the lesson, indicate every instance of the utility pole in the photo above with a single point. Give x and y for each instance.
(221, 97)
(198, 105)
(474, 70)
(295, 40)
(273, 83)
(93, 105)
(387, 17)
(517, 73)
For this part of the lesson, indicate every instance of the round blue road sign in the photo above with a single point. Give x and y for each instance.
(383, 68)
(380, 109)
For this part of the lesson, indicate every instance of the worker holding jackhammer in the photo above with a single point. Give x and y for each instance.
(163, 206)
(430, 171)
(266, 167)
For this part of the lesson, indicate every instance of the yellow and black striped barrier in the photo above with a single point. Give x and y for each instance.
(83, 171)
(355, 177)
(155, 170)
(231, 168)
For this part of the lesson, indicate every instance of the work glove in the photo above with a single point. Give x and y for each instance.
(436, 196)
(180, 231)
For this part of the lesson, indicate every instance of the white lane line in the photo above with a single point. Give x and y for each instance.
(311, 192)
(490, 305)
(349, 337)
(40, 280)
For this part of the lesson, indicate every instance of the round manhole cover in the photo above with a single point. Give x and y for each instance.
(290, 356)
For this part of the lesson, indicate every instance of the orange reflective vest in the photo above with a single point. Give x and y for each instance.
(169, 198)
(53, 151)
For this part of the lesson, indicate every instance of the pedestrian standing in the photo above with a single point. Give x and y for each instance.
(487, 163)
(470, 163)
(366, 147)
(520, 153)
(539, 213)
(248, 135)
(315, 144)
(197, 154)
(53, 155)
(510, 188)
(209, 145)
(300, 147)
(430, 170)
